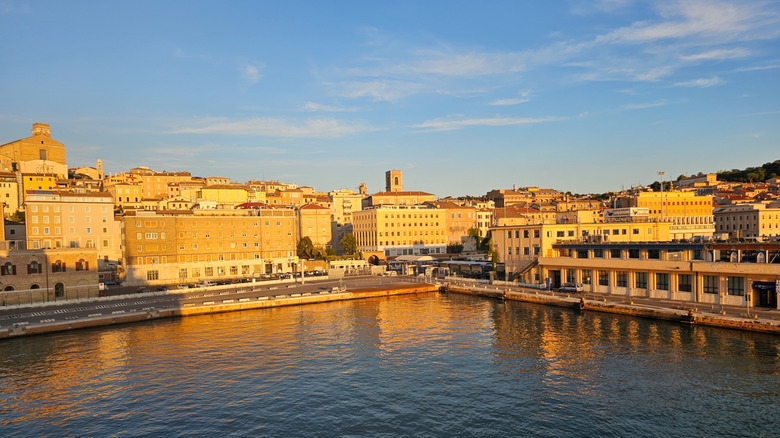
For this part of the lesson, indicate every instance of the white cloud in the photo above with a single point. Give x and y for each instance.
(449, 125)
(718, 55)
(269, 127)
(252, 73)
(758, 68)
(470, 64)
(701, 83)
(506, 102)
(384, 90)
(643, 105)
(312, 106)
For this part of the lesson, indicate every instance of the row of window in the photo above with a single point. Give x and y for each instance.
(710, 283)
(36, 268)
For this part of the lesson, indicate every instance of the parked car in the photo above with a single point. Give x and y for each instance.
(571, 287)
(163, 289)
(143, 290)
(182, 286)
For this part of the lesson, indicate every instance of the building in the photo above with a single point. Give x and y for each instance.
(748, 221)
(39, 154)
(520, 246)
(224, 196)
(314, 223)
(213, 245)
(76, 220)
(400, 230)
(743, 274)
(458, 220)
(41, 275)
(689, 213)
(127, 195)
(394, 181)
(9, 192)
(344, 203)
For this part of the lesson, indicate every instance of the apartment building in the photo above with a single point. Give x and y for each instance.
(167, 248)
(400, 230)
(314, 222)
(748, 221)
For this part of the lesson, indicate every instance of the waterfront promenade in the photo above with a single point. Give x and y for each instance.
(737, 317)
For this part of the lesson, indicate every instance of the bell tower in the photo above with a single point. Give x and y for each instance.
(394, 181)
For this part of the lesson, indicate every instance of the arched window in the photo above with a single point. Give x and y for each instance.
(59, 290)
(34, 286)
(82, 265)
(8, 288)
(8, 269)
(58, 266)
(34, 268)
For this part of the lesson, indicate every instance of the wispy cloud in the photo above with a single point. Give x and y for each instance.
(758, 68)
(701, 83)
(382, 90)
(450, 125)
(312, 106)
(718, 55)
(269, 127)
(470, 64)
(635, 106)
(507, 102)
(252, 72)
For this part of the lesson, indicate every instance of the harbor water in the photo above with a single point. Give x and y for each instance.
(424, 365)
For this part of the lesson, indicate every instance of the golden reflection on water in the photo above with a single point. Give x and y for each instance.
(57, 378)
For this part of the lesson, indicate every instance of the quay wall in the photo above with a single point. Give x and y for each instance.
(643, 311)
(292, 299)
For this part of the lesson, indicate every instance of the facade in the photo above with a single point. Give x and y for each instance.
(207, 245)
(127, 195)
(520, 247)
(344, 203)
(76, 220)
(458, 219)
(31, 276)
(9, 192)
(397, 198)
(748, 221)
(689, 213)
(400, 230)
(314, 222)
(711, 274)
(224, 196)
(394, 181)
(39, 154)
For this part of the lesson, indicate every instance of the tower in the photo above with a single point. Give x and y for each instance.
(394, 181)
(99, 167)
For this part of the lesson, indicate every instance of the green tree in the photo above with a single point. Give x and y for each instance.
(348, 244)
(18, 216)
(454, 248)
(305, 248)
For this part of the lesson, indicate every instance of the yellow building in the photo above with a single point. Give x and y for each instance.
(458, 219)
(711, 274)
(400, 230)
(169, 248)
(753, 221)
(224, 196)
(38, 181)
(9, 192)
(76, 220)
(519, 247)
(314, 222)
(127, 195)
(344, 203)
(39, 154)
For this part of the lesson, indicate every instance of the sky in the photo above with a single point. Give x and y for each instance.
(462, 96)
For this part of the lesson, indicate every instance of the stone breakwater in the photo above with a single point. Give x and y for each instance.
(639, 310)
(292, 299)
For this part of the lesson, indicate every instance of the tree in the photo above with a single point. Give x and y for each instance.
(454, 248)
(18, 216)
(348, 244)
(305, 248)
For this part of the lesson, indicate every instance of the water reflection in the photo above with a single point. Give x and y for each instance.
(416, 365)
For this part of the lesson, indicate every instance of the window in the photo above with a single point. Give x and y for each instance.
(152, 275)
(570, 275)
(209, 271)
(615, 253)
(662, 281)
(58, 266)
(559, 234)
(633, 253)
(684, 283)
(621, 279)
(603, 278)
(640, 280)
(736, 286)
(183, 273)
(8, 269)
(34, 268)
(586, 274)
(653, 254)
(711, 284)
(82, 265)
(582, 253)
(598, 253)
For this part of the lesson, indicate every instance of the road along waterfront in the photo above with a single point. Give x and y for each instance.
(412, 365)
(39, 319)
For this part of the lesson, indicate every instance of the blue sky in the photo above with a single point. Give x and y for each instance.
(462, 96)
